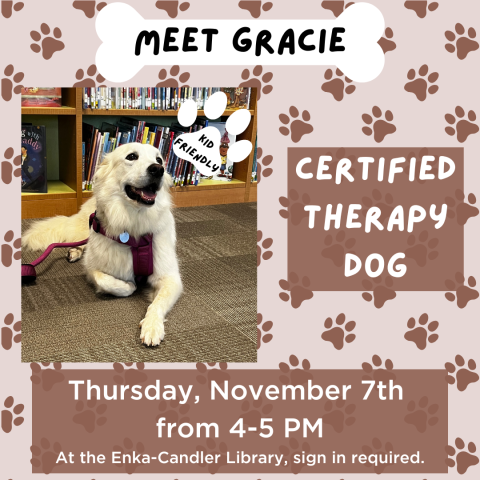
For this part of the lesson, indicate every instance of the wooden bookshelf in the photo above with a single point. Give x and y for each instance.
(65, 195)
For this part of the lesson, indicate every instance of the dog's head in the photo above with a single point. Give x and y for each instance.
(133, 171)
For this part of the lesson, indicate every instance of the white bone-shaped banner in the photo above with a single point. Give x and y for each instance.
(119, 25)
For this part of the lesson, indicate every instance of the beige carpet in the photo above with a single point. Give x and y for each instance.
(63, 320)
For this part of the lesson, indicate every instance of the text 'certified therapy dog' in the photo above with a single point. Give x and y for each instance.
(130, 230)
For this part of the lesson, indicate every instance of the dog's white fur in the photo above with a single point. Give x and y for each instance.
(108, 263)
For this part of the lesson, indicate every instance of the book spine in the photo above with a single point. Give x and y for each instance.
(83, 165)
(145, 135)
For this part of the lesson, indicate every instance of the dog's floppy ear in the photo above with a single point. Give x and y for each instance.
(167, 181)
(104, 169)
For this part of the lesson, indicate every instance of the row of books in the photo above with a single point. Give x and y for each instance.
(98, 142)
(160, 98)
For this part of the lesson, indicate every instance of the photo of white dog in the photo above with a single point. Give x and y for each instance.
(131, 200)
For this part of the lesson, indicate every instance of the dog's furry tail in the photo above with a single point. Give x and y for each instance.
(59, 229)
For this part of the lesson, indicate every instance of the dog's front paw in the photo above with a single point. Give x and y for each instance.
(74, 254)
(153, 330)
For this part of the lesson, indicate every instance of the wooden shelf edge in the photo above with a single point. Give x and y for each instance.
(57, 191)
(150, 113)
(49, 111)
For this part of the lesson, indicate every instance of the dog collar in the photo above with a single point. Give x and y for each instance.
(142, 252)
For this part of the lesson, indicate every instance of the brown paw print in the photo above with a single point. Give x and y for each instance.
(44, 456)
(422, 416)
(172, 82)
(255, 7)
(380, 128)
(463, 45)
(210, 447)
(253, 412)
(337, 86)
(7, 168)
(464, 376)
(10, 419)
(294, 448)
(463, 293)
(7, 83)
(267, 160)
(340, 415)
(88, 82)
(173, 412)
(421, 7)
(88, 416)
(381, 293)
(378, 450)
(385, 204)
(266, 244)
(263, 327)
(7, 333)
(463, 210)
(420, 335)
(386, 43)
(463, 127)
(378, 374)
(420, 250)
(130, 375)
(257, 82)
(49, 44)
(295, 376)
(335, 6)
(298, 293)
(8, 6)
(335, 251)
(421, 86)
(7, 250)
(336, 335)
(88, 8)
(463, 460)
(295, 210)
(208, 374)
(172, 7)
(298, 128)
(47, 377)
(129, 449)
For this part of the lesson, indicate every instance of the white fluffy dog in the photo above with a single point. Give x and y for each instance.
(131, 194)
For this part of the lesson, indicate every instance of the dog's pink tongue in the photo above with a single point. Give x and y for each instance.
(148, 194)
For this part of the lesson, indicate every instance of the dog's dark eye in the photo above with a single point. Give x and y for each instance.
(132, 156)
(159, 160)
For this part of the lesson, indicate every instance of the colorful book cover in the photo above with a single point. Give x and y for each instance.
(34, 159)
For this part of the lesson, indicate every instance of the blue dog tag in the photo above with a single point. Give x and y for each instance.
(124, 237)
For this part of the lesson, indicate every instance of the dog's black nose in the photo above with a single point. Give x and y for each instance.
(155, 170)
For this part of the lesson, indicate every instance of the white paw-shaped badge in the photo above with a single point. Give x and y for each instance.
(202, 148)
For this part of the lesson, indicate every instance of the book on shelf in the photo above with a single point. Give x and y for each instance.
(160, 98)
(34, 159)
(254, 165)
(41, 97)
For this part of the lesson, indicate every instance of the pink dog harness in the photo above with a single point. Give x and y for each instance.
(142, 253)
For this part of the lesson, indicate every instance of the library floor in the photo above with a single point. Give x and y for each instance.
(63, 320)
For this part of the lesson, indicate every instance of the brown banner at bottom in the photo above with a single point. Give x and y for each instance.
(240, 421)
